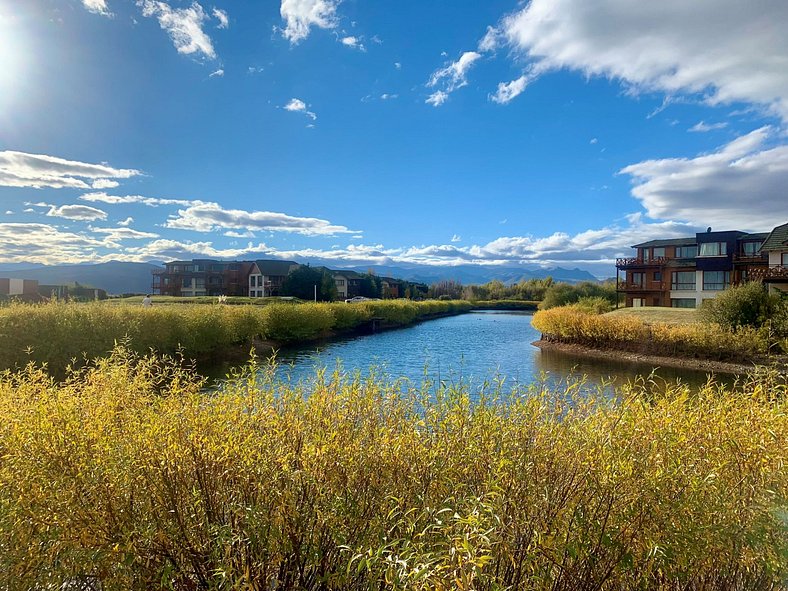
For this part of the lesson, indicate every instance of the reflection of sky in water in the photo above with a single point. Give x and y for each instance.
(470, 348)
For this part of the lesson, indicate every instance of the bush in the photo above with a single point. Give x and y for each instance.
(593, 305)
(562, 294)
(745, 305)
(128, 476)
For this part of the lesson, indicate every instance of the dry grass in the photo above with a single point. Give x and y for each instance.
(652, 315)
(127, 475)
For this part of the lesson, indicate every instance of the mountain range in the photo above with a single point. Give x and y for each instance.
(117, 277)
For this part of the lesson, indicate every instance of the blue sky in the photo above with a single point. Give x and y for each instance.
(552, 132)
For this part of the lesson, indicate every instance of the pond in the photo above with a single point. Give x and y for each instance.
(469, 348)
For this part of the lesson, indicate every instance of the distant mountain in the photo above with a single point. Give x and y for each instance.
(115, 277)
(476, 274)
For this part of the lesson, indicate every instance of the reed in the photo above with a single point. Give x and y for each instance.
(571, 324)
(129, 476)
(58, 334)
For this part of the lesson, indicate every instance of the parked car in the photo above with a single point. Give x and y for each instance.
(357, 299)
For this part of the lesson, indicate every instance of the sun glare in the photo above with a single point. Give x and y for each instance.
(12, 56)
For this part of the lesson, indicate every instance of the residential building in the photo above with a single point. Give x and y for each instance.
(267, 276)
(201, 277)
(348, 284)
(682, 272)
(18, 287)
(775, 246)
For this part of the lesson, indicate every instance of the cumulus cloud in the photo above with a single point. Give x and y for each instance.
(221, 16)
(123, 233)
(101, 197)
(703, 127)
(46, 244)
(353, 42)
(452, 76)
(510, 90)
(741, 185)
(298, 106)
(127, 222)
(104, 184)
(209, 217)
(19, 169)
(301, 15)
(97, 7)
(726, 49)
(183, 25)
(77, 212)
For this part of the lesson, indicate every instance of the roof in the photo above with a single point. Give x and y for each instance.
(274, 267)
(670, 242)
(777, 239)
(755, 236)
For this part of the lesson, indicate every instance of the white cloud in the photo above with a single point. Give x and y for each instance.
(221, 16)
(97, 7)
(387, 97)
(353, 42)
(210, 217)
(77, 212)
(19, 169)
(104, 184)
(184, 26)
(509, 90)
(593, 141)
(43, 243)
(437, 98)
(234, 234)
(123, 233)
(491, 41)
(298, 106)
(456, 238)
(727, 50)
(301, 15)
(398, 65)
(102, 197)
(702, 126)
(127, 222)
(740, 186)
(451, 77)
(216, 74)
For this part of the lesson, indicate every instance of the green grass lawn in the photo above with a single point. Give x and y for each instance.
(656, 314)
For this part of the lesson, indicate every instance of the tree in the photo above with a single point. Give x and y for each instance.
(328, 288)
(301, 282)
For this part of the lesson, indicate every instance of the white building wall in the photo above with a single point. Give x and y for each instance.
(697, 294)
(16, 286)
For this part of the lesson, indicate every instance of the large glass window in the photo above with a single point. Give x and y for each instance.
(659, 253)
(687, 252)
(638, 279)
(716, 280)
(713, 249)
(683, 280)
(751, 248)
(683, 302)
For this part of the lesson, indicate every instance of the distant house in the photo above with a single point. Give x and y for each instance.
(348, 284)
(18, 287)
(73, 291)
(775, 246)
(682, 272)
(267, 276)
(201, 277)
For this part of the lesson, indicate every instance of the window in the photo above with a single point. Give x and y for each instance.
(785, 259)
(751, 248)
(659, 253)
(187, 282)
(716, 280)
(683, 302)
(658, 276)
(683, 280)
(340, 282)
(713, 249)
(638, 278)
(199, 283)
(687, 252)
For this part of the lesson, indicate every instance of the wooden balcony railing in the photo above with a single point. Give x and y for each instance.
(750, 259)
(771, 273)
(636, 262)
(640, 287)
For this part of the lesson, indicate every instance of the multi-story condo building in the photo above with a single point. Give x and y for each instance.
(682, 272)
(266, 277)
(201, 277)
(775, 246)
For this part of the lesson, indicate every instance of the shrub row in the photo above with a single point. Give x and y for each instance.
(523, 305)
(56, 333)
(571, 324)
(127, 477)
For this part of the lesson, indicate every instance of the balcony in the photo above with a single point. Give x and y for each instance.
(647, 286)
(775, 273)
(750, 259)
(627, 263)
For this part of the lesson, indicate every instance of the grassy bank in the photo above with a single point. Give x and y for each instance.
(57, 333)
(518, 305)
(128, 475)
(654, 314)
(629, 332)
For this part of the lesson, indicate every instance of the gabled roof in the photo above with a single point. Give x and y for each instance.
(670, 242)
(777, 239)
(274, 268)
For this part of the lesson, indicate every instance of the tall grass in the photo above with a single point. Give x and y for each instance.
(58, 333)
(574, 325)
(128, 476)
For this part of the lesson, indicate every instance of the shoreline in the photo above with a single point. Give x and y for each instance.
(655, 360)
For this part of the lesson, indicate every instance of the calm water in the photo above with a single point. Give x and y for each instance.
(470, 347)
